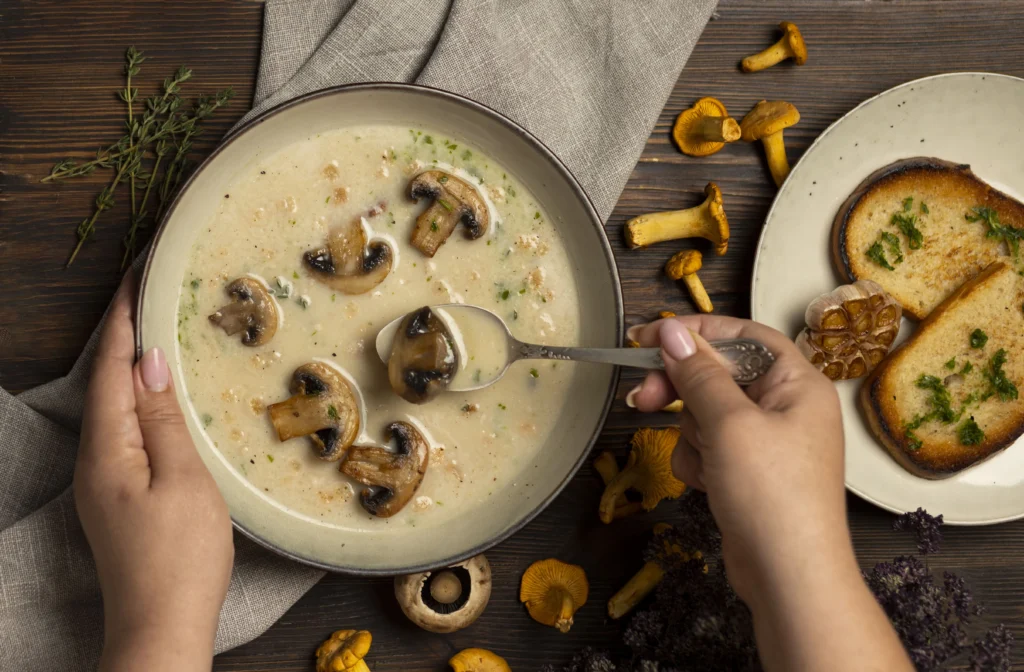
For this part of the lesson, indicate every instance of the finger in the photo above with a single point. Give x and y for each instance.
(686, 465)
(790, 370)
(689, 430)
(110, 431)
(700, 379)
(164, 434)
(716, 327)
(653, 394)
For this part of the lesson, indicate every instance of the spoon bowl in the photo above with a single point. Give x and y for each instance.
(486, 349)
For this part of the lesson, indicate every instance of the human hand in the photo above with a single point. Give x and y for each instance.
(770, 457)
(157, 525)
(771, 461)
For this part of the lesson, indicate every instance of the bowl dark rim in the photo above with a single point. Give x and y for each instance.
(595, 219)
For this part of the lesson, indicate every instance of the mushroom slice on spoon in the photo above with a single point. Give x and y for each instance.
(453, 200)
(322, 407)
(392, 477)
(423, 357)
(347, 263)
(252, 312)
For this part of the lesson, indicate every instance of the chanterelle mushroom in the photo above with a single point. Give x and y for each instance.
(850, 329)
(704, 129)
(448, 599)
(453, 200)
(391, 476)
(478, 660)
(347, 263)
(344, 651)
(766, 122)
(790, 46)
(684, 266)
(706, 220)
(648, 471)
(322, 407)
(252, 311)
(553, 591)
(423, 357)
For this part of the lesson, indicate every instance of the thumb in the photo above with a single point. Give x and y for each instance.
(165, 437)
(702, 382)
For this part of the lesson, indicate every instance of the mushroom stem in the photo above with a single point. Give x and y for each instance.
(716, 129)
(626, 510)
(662, 226)
(615, 489)
(775, 150)
(636, 589)
(565, 612)
(608, 468)
(699, 294)
(773, 55)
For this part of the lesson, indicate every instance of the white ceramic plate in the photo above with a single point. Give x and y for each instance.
(973, 118)
(390, 550)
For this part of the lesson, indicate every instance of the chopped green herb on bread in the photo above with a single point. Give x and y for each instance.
(950, 397)
(922, 227)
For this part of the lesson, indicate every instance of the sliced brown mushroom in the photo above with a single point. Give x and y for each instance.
(347, 263)
(252, 312)
(323, 407)
(423, 357)
(391, 476)
(453, 200)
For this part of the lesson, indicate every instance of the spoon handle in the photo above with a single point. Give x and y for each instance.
(746, 358)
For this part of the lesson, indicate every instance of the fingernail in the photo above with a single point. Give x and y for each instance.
(676, 340)
(633, 333)
(155, 373)
(631, 396)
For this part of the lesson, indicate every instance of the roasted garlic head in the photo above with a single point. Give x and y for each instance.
(850, 329)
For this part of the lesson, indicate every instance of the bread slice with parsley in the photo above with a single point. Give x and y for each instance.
(949, 397)
(922, 227)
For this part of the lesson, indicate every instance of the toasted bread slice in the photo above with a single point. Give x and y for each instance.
(952, 249)
(892, 396)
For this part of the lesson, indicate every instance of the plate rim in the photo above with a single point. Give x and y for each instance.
(764, 228)
(595, 220)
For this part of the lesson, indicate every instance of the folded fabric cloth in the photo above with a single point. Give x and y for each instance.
(588, 77)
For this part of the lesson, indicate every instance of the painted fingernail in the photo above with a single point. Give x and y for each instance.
(631, 396)
(633, 333)
(155, 373)
(676, 340)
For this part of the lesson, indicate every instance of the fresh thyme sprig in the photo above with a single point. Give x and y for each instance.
(189, 128)
(132, 66)
(160, 130)
(156, 109)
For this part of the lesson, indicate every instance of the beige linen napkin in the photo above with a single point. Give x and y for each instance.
(588, 77)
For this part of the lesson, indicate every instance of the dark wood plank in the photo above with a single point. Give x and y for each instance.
(61, 64)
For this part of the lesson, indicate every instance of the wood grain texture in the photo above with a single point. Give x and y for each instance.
(61, 63)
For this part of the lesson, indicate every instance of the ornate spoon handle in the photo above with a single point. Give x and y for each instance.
(748, 359)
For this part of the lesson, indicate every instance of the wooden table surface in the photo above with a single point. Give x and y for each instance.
(61, 60)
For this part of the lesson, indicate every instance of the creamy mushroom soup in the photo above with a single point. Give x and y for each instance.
(289, 204)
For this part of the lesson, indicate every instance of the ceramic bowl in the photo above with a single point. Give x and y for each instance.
(396, 549)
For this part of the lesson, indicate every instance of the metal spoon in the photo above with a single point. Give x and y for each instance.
(746, 358)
